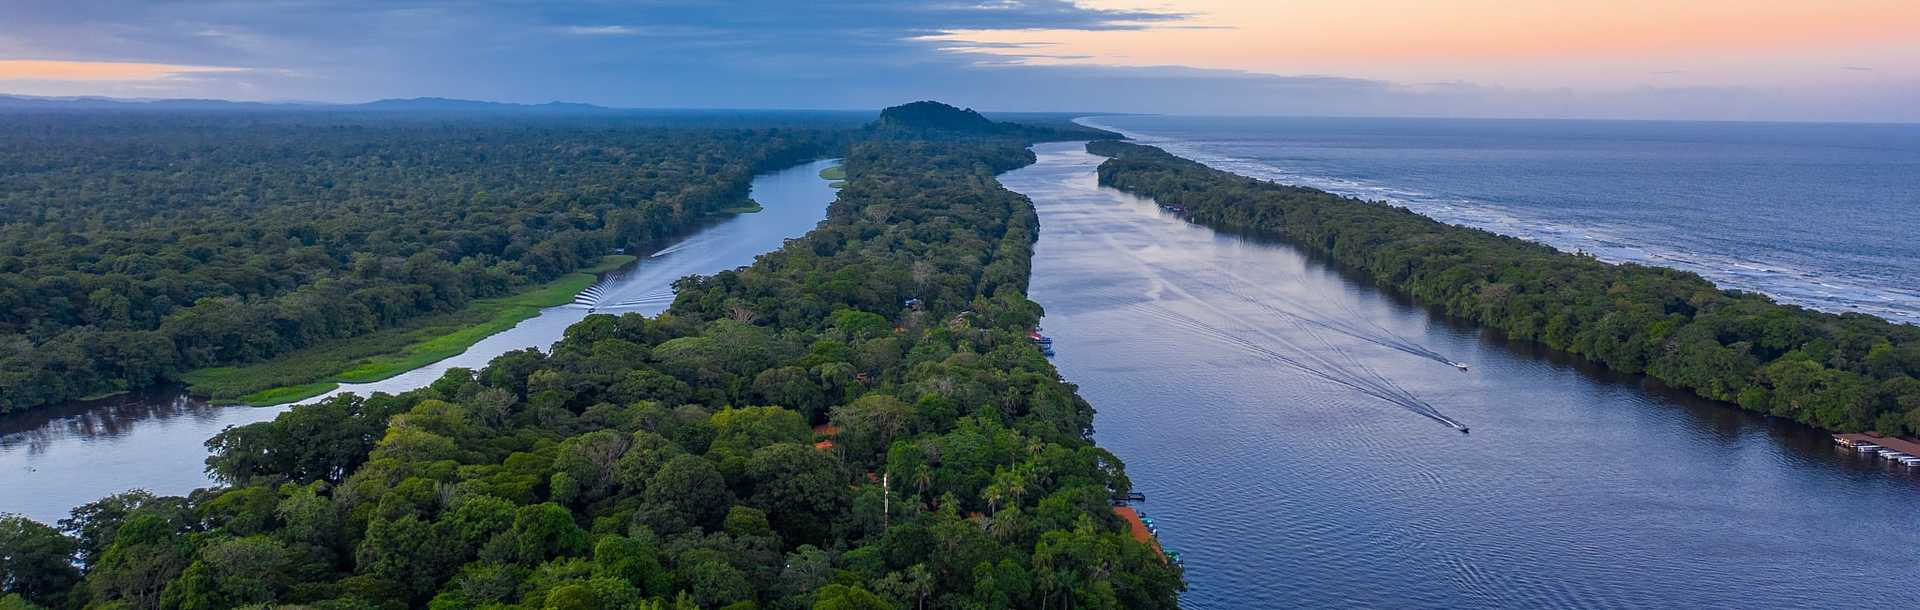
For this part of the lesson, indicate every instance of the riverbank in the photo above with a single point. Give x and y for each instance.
(389, 352)
(1577, 483)
(836, 175)
(52, 460)
(1841, 373)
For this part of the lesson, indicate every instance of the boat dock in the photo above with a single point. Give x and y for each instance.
(1900, 451)
(1140, 526)
(1139, 529)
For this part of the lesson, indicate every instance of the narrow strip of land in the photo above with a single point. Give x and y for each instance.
(388, 352)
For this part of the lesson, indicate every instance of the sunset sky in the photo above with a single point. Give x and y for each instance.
(1757, 59)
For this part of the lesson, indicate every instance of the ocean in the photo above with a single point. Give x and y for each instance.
(1823, 216)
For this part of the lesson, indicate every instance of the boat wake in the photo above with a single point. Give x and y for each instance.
(1324, 360)
(1346, 322)
(600, 297)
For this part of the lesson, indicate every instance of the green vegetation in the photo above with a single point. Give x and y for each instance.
(910, 121)
(385, 353)
(283, 394)
(668, 462)
(136, 248)
(836, 173)
(749, 207)
(1840, 372)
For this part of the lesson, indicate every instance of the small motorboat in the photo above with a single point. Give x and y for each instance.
(1460, 365)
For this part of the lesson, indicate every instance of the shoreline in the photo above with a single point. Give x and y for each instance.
(381, 355)
(1752, 391)
(450, 340)
(1486, 217)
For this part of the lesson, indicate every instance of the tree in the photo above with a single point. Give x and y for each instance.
(800, 487)
(869, 425)
(741, 431)
(546, 530)
(232, 573)
(633, 561)
(791, 387)
(688, 491)
(405, 553)
(95, 524)
(146, 554)
(843, 597)
(714, 584)
(36, 561)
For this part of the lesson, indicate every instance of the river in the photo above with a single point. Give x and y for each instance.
(1261, 401)
(56, 458)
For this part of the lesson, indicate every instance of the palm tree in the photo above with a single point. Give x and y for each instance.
(923, 477)
(993, 493)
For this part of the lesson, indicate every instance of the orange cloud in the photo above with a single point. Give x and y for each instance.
(94, 71)
(1320, 34)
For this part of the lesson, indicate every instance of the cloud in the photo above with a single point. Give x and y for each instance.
(855, 54)
(95, 71)
(612, 52)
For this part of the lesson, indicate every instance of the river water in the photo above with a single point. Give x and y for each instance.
(1262, 403)
(56, 458)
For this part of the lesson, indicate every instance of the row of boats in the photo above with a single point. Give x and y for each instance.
(1872, 450)
(1173, 556)
(1045, 343)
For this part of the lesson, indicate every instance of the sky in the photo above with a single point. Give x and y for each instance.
(1825, 60)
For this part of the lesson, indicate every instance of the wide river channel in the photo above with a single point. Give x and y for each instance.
(54, 459)
(1277, 415)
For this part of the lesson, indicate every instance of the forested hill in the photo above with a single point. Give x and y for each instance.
(918, 119)
(135, 248)
(1840, 372)
(668, 462)
(935, 115)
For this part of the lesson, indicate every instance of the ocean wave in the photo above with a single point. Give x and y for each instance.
(1778, 279)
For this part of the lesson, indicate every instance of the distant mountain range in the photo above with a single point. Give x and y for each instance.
(417, 104)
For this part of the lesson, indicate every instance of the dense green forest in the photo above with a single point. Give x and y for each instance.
(135, 247)
(671, 462)
(1840, 372)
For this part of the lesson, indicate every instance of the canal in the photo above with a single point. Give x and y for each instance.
(1263, 403)
(55, 458)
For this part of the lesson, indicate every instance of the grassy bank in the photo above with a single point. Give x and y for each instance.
(379, 355)
(749, 207)
(837, 174)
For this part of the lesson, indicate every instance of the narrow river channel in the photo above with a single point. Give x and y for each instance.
(1262, 403)
(56, 458)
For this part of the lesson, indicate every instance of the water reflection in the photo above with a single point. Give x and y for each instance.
(112, 417)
